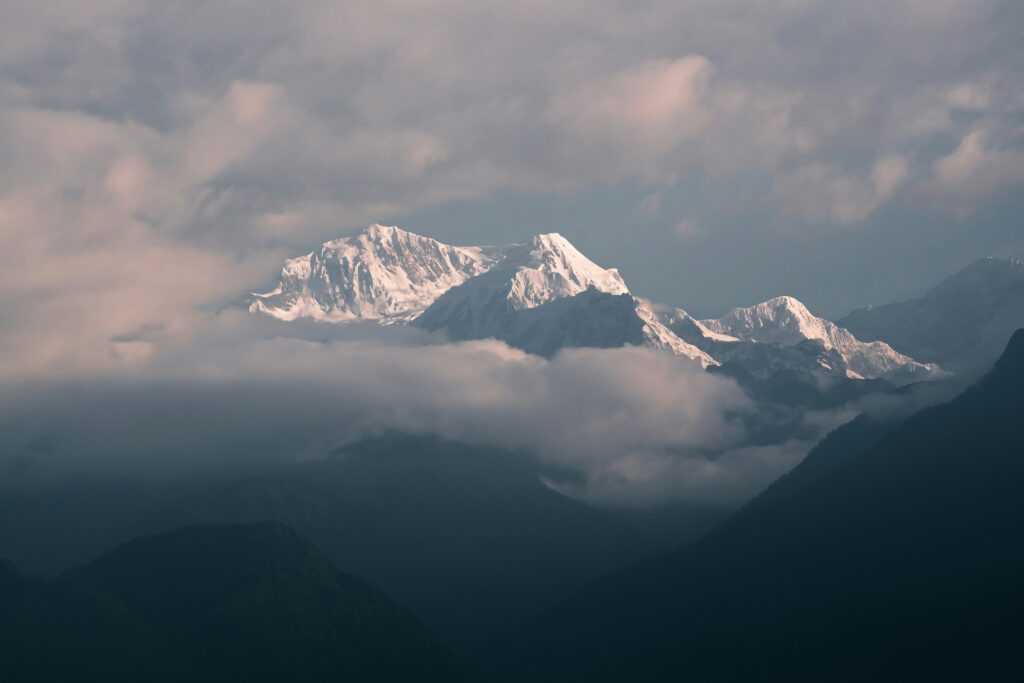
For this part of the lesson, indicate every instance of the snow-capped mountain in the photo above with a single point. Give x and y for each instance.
(786, 322)
(541, 296)
(966, 320)
(545, 295)
(807, 372)
(530, 275)
(660, 336)
(383, 273)
(592, 318)
(694, 331)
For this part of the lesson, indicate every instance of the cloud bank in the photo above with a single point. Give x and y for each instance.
(621, 419)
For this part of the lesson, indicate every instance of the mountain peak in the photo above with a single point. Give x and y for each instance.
(994, 263)
(548, 267)
(963, 322)
(988, 269)
(782, 320)
(375, 230)
(546, 295)
(551, 240)
(386, 273)
(786, 321)
(553, 244)
(380, 273)
(786, 301)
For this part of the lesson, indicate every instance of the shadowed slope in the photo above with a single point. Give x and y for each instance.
(899, 563)
(234, 602)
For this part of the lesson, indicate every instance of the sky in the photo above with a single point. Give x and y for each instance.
(159, 160)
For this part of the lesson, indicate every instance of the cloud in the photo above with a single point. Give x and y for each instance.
(819, 193)
(156, 159)
(624, 419)
(649, 205)
(159, 160)
(585, 409)
(729, 479)
(686, 228)
(978, 168)
(635, 114)
(232, 127)
(91, 214)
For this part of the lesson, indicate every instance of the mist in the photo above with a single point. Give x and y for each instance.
(627, 426)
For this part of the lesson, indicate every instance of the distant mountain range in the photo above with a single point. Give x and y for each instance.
(890, 553)
(962, 322)
(545, 295)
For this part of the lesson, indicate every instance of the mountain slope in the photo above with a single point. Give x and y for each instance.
(380, 274)
(899, 563)
(786, 322)
(243, 602)
(386, 273)
(531, 275)
(469, 539)
(65, 631)
(804, 375)
(391, 275)
(592, 318)
(546, 295)
(966, 319)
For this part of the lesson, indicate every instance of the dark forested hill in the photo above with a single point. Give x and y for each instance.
(469, 539)
(248, 602)
(901, 562)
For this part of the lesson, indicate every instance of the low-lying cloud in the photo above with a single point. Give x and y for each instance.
(637, 425)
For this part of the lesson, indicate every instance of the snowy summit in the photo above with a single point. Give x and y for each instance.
(381, 273)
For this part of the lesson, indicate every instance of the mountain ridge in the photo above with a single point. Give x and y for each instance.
(544, 295)
(252, 602)
(785, 321)
(962, 322)
(381, 273)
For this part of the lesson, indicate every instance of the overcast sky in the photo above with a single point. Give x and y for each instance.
(159, 159)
